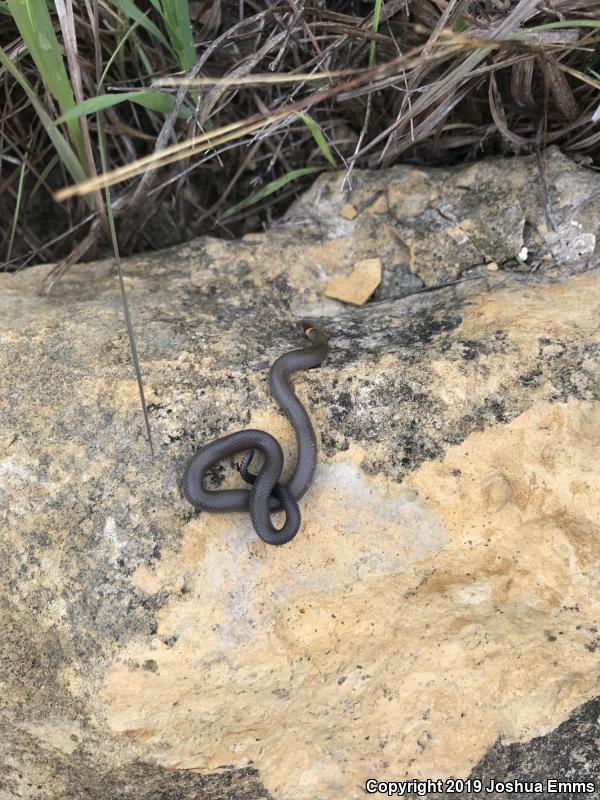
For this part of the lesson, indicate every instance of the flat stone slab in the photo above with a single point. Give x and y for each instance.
(439, 605)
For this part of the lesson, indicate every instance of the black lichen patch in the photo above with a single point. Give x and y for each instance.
(384, 328)
(389, 406)
(493, 343)
(144, 781)
(569, 753)
(403, 404)
(573, 372)
(531, 379)
(492, 411)
(341, 406)
(31, 769)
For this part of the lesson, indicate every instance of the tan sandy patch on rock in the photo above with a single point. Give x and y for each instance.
(575, 312)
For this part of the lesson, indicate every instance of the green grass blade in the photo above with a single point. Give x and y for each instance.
(152, 99)
(145, 61)
(180, 15)
(116, 52)
(35, 26)
(176, 19)
(129, 9)
(319, 138)
(376, 18)
(61, 145)
(272, 187)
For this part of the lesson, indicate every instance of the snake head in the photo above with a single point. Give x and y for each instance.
(242, 466)
(307, 326)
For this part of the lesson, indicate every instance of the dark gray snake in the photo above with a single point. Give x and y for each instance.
(266, 494)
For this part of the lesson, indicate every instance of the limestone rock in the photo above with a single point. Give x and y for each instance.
(440, 602)
(433, 226)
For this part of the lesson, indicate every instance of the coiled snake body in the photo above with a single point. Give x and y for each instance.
(266, 493)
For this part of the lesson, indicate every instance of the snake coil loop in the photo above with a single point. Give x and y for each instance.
(266, 494)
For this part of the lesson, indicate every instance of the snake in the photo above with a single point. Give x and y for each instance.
(266, 493)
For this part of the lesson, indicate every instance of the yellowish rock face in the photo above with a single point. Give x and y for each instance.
(408, 626)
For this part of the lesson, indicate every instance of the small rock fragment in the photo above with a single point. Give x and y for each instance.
(492, 267)
(348, 211)
(380, 204)
(357, 287)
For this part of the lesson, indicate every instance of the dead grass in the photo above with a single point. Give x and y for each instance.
(284, 90)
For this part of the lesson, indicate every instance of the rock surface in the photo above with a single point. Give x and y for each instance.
(440, 604)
